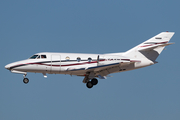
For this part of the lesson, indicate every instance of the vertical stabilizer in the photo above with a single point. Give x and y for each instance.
(151, 48)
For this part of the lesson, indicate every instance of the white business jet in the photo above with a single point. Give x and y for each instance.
(92, 66)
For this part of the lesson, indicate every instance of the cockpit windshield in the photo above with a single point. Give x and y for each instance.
(33, 57)
(38, 57)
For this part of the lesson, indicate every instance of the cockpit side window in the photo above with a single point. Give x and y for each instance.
(33, 57)
(43, 56)
(38, 57)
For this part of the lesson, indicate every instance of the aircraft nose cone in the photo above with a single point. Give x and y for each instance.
(7, 67)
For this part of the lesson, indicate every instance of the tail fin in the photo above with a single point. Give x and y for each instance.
(151, 48)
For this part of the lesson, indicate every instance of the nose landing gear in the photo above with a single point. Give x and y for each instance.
(25, 80)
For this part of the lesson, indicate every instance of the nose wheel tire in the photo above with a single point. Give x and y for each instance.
(25, 80)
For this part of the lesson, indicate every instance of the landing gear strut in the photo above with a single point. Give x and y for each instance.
(91, 83)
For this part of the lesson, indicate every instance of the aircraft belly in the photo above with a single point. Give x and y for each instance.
(55, 69)
(78, 73)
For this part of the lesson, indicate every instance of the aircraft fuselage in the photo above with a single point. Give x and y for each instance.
(93, 66)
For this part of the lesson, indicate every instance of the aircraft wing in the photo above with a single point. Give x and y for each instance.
(103, 70)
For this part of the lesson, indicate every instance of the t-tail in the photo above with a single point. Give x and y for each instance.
(151, 48)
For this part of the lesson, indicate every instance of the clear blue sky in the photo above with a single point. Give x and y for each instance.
(89, 26)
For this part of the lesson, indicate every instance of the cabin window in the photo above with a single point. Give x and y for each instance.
(33, 57)
(78, 59)
(67, 58)
(43, 56)
(89, 59)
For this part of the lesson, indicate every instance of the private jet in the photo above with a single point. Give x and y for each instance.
(93, 66)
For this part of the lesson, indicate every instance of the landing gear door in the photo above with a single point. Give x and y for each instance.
(55, 63)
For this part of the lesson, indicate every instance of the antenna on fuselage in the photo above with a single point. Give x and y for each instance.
(98, 60)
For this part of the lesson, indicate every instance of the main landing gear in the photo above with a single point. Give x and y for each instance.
(91, 83)
(25, 80)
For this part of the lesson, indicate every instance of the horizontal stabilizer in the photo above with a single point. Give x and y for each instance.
(151, 47)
